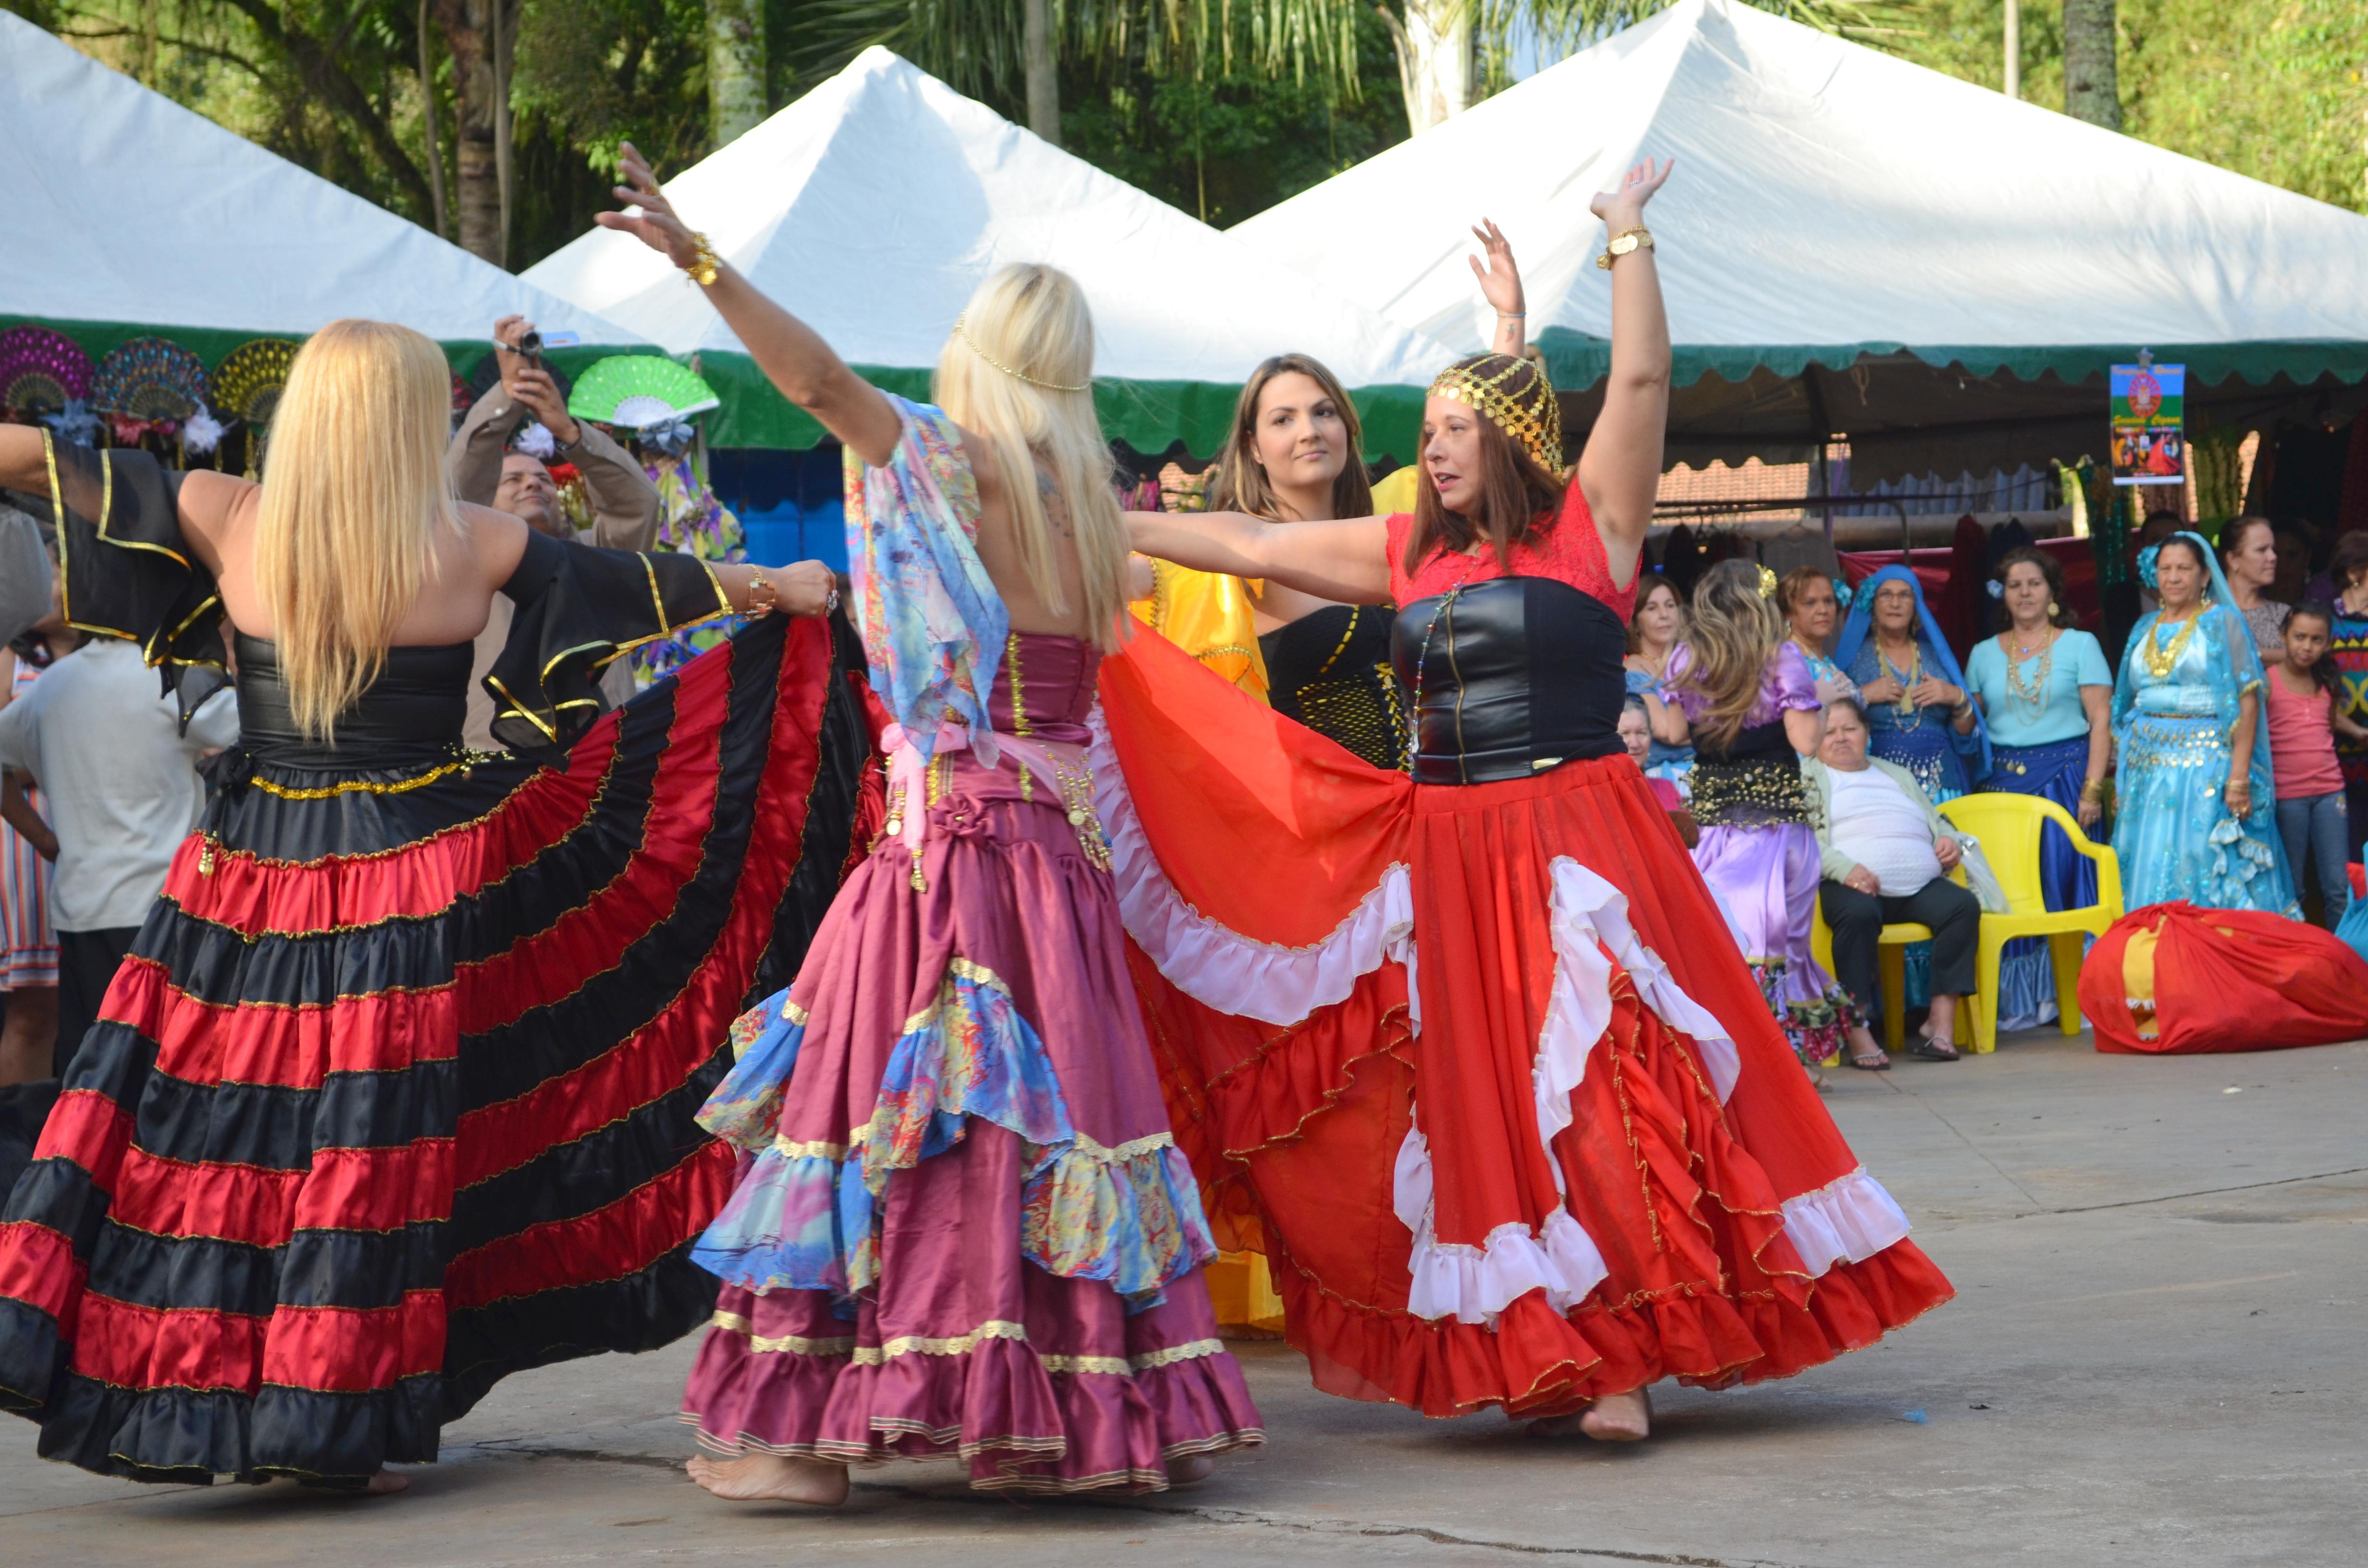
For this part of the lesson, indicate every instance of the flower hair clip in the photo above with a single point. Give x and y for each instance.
(1767, 583)
(2146, 558)
(1998, 589)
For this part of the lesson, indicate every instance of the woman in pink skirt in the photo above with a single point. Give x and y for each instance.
(963, 1227)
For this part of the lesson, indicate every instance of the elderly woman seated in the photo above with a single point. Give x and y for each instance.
(1886, 859)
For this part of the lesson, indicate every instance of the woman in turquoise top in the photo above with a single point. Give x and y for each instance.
(2195, 815)
(2046, 694)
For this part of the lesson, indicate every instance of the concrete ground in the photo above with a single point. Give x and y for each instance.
(2155, 1357)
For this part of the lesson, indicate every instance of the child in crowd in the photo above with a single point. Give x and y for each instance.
(1637, 731)
(2302, 721)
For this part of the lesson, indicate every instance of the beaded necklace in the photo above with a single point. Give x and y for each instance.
(2033, 697)
(1907, 715)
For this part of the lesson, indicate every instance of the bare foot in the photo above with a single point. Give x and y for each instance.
(386, 1482)
(771, 1478)
(1186, 1469)
(1619, 1418)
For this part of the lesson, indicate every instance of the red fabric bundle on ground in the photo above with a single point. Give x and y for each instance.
(2171, 978)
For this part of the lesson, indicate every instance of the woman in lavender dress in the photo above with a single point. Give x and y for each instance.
(965, 1229)
(1744, 698)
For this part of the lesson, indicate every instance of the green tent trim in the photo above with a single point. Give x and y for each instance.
(1578, 360)
(1147, 416)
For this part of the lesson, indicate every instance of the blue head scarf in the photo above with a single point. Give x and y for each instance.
(1938, 659)
(2235, 667)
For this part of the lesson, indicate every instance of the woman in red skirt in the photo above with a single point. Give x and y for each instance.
(394, 1095)
(1480, 1052)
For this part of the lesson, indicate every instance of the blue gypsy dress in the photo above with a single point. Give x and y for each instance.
(2175, 708)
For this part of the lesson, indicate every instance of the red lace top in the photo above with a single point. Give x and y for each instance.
(1568, 549)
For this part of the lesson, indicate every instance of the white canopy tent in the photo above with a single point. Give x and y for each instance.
(1852, 243)
(130, 214)
(873, 207)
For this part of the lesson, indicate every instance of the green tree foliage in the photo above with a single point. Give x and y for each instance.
(2269, 89)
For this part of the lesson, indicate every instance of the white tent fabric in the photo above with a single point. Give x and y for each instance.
(123, 207)
(875, 205)
(1829, 195)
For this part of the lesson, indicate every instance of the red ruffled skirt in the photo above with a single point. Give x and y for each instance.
(1478, 1068)
(395, 1093)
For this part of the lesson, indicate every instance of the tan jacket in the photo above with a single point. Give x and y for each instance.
(625, 509)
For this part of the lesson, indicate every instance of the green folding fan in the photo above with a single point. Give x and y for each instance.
(637, 390)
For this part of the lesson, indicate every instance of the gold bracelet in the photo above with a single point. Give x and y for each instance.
(703, 266)
(2094, 789)
(1637, 238)
(758, 581)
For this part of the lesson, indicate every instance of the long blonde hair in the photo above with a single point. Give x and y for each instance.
(1736, 630)
(1018, 373)
(355, 492)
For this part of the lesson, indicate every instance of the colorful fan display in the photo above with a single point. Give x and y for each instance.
(247, 382)
(150, 378)
(41, 371)
(637, 390)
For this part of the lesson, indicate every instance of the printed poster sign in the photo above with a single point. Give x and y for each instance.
(2149, 439)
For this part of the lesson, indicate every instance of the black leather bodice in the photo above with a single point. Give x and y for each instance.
(412, 713)
(1519, 675)
(1330, 670)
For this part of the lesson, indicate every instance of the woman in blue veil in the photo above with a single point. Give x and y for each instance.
(1918, 714)
(2196, 814)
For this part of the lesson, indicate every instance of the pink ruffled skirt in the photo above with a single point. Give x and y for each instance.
(961, 1227)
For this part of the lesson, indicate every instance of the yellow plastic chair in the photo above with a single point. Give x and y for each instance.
(2008, 829)
(1891, 960)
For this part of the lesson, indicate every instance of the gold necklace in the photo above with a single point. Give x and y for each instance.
(2033, 697)
(1908, 678)
(2159, 660)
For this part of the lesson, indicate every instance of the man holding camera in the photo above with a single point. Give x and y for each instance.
(625, 505)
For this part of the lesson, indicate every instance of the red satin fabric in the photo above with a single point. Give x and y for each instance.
(2172, 979)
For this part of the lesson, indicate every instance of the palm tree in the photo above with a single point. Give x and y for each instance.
(2091, 91)
(1015, 46)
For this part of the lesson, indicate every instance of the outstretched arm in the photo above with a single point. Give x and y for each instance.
(1619, 472)
(792, 354)
(1346, 560)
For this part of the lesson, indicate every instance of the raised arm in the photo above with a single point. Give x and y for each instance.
(1619, 472)
(1346, 561)
(792, 354)
(1500, 285)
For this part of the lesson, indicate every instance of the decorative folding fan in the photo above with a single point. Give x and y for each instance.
(40, 371)
(637, 390)
(247, 383)
(150, 378)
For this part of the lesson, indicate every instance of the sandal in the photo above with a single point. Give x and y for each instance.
(1936, 1051)
(1880, 1061)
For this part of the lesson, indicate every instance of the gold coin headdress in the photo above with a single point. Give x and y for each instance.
(1515, 396)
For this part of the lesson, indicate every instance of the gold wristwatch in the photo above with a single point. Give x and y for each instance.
(1637, 238)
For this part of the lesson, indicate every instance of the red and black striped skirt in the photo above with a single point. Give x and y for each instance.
(394, 1095)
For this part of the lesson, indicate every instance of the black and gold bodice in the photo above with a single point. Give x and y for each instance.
(410, 715)
(1510, 677)
(1330, 670)
(126, 570)
(1754, 780)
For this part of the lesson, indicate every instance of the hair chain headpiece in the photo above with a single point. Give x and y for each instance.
(1537, 429)
(961, 330)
